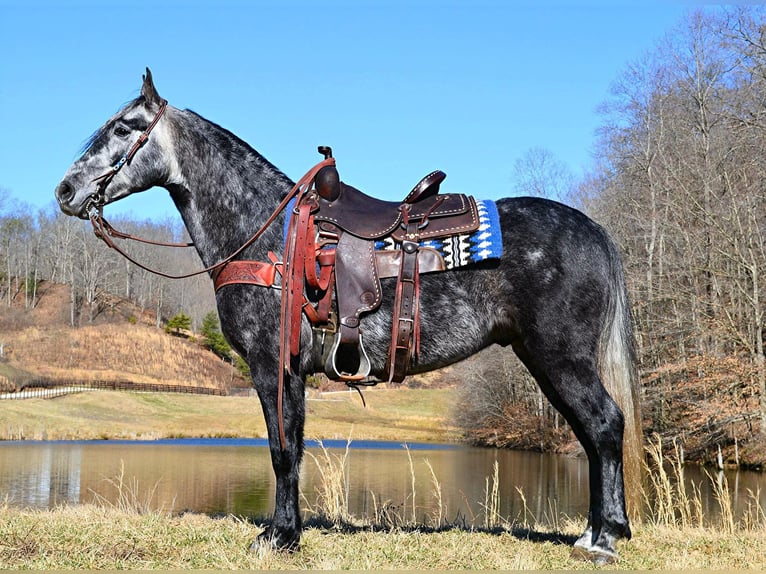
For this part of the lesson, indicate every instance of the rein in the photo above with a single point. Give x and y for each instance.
(104, 230)
(292, 290)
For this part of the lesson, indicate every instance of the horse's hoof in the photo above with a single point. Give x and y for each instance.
(599, 556)
(270, 541)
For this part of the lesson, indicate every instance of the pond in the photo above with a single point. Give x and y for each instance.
(430, 483)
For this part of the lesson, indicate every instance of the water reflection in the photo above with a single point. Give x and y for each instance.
(235, 477)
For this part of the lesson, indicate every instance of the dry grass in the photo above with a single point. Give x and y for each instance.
(122, 415)
(491, 504)
(137, 353)
(670, 503)
(129, 496)
(396, 414)
(97, 538)
(332, 498)
(126, 535)
(674, 536)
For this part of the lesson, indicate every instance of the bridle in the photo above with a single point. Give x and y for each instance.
(104, 230)
(96, 201)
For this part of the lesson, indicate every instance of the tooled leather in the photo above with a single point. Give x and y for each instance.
(245, 272)
(370, 218)
(357, 283)
(389, 262)
(439, 225)
(405, 319)
(426, 187)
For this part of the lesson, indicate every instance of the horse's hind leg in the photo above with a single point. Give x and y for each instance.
(571, 383)
(285, 529)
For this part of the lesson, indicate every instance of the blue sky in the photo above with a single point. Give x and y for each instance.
(397, 87)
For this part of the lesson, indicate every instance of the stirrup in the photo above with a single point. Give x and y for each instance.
(362, 371)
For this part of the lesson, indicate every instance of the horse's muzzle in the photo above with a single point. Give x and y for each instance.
(66, 195)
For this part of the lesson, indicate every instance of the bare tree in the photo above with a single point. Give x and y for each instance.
(679, 184)
(540, 174)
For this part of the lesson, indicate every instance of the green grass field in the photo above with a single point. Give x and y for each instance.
(414, 415)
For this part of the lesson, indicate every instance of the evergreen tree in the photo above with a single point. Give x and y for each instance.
(214, 339)
(177, 322)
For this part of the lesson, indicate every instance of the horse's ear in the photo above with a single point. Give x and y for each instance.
(148, 90)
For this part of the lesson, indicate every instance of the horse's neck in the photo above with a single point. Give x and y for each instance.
(227, 191)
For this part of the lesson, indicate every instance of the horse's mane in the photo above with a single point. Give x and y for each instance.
(220, 137)
(233, 146)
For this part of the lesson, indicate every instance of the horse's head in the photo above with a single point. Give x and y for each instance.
(121, 158)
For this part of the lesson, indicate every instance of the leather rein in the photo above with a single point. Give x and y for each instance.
(105, 232)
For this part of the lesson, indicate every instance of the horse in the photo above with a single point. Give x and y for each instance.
(557, 297)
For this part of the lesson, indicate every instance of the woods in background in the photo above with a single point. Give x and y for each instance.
(679, 180)
(48, 245)
(681, 183)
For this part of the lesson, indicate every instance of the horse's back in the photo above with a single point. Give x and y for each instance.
(532, 224)
(558, 267)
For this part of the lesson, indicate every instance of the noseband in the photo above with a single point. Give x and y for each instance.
(97, 200)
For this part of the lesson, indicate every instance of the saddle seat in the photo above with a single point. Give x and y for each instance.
(353, 221)
(353, 211)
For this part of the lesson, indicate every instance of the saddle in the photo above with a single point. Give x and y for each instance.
(330, 250)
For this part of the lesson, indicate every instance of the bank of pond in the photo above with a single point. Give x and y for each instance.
(433, 484)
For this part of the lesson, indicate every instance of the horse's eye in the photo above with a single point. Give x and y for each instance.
(121, 131)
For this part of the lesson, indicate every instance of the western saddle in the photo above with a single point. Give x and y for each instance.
(330, 249)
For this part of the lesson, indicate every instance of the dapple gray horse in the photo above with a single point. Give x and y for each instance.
(557, 297)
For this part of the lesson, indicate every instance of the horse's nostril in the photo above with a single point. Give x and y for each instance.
(64, 192)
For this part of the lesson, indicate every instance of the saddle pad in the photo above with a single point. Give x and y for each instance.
(460, 250)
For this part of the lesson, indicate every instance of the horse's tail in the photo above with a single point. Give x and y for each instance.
(619, 373)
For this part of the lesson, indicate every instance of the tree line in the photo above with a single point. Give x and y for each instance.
(37, 245)
(679, 181)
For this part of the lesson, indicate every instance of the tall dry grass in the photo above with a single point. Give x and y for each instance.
(128, 534)
(491, 504)
(332, 495)
(670, 502)
(129, 497)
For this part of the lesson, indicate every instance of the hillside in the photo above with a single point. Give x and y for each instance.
(121, 344)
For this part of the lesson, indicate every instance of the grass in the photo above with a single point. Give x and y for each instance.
(125, 534)
(415, 415)
(138, 353)
(100, 538)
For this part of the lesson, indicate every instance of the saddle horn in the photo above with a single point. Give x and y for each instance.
(327, 180)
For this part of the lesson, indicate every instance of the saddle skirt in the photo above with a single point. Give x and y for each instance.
(458, 250)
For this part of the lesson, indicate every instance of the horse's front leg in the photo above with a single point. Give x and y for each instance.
(284, 532)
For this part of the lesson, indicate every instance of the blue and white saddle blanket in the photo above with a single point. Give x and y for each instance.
(459, 250)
